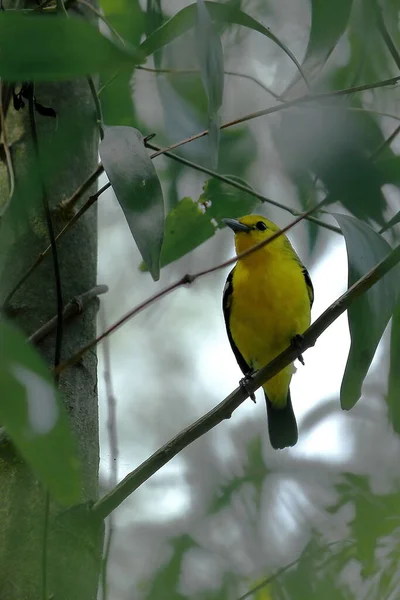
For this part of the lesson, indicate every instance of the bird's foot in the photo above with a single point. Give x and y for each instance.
(297, 343)
(244, 383)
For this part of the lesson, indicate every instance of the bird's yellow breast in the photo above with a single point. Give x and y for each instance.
(269, 306)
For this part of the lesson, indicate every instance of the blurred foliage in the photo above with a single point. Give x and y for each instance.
(336, 148)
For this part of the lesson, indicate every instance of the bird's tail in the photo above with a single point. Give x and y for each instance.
(282, 424)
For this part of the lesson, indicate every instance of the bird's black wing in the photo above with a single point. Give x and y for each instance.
(310, 288)
(227, 305)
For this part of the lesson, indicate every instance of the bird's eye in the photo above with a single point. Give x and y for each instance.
(261, 226)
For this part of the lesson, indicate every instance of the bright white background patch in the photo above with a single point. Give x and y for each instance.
(41, 399)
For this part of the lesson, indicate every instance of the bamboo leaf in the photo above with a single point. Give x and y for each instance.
(369, 314)
(138, 190)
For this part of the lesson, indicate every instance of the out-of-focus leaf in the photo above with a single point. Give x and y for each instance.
(254, 474)
(32, 413)
(165, 583)
(390, 170)
(116, 97)
(138, 190)
(185, 20)
(329, 21)
(393, 394)
(222, 200)
(370, 313)
(186, 227)
(211, 61)
(335, 145)
(52, 48)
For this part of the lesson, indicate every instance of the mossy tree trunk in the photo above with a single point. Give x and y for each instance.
(68, 147)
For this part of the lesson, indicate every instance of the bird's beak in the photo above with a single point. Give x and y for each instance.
(236, 225)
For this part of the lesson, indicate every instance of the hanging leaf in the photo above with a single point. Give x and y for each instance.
(33, 415)
(370, 313)
(223, 200)
(185, 19)
(138, 190)
(48, 48)
(211, 61)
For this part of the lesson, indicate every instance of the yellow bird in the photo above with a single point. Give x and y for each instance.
(267, 303)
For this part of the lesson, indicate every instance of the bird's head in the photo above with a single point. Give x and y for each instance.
(253, 229)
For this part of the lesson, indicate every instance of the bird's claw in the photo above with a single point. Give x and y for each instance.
(297, 344)
(244, 383)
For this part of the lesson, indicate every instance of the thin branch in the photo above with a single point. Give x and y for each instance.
(9, 162)
(196, 71)
(386, 143)
(97, 106)
(91, 200)
(74, 307)
(113, 444)
(186, 279)
(242, 187)
(283, 106)
(224, 410)
(69, 203)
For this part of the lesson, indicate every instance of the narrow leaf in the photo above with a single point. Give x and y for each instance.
(34, 417)
(186, 227)
(211, 61)
(47, 48)
(223, 13)
(393, 393)
(138, 190)
(369, 314)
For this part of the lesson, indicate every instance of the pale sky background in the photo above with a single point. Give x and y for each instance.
(173, 362)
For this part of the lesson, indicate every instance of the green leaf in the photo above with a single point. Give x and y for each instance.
(186, 227)
(165, 583)
(185, 20)
(370, 313)
(138, 190)
(329, 21)
(48, 48)
(211, 61)
(34, 417)
(393, 393)
(223, 200)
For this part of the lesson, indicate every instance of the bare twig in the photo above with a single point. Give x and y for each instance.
(113, 444)
(91, 200)
(186, 279)
(242, 187)
(69, 203)
(73, 308)
(284, 106)
(386, 143)
(224, 410)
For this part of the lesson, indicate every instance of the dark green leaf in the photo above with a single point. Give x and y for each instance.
(393, 393)
(329, 21)
(223, 200)
(185, 20)
(370, 313)
(211, 61)
(33, 415)
(53, 48)
(165, 583)
(186, 227)
(138, 190)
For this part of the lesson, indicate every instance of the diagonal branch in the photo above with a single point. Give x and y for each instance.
(224, 410)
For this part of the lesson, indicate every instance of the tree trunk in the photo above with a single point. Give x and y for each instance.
(68, 147)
